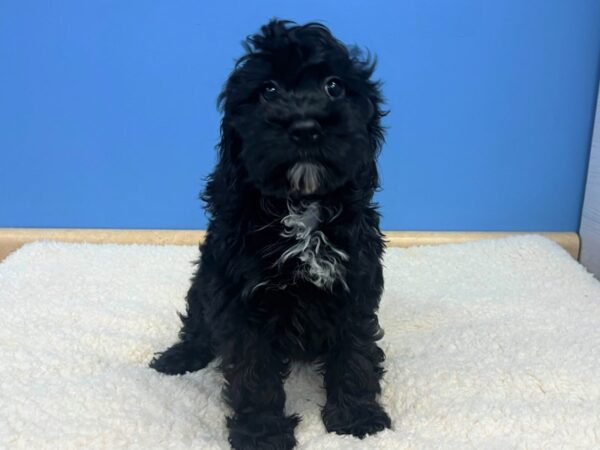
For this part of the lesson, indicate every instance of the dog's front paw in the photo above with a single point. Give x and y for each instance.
(356, 417)
(262, 431)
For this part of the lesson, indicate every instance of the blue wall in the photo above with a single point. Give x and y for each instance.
(108, 117)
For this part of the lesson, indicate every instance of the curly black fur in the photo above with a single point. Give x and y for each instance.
(291, 265)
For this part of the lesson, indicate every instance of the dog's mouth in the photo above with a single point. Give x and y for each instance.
(306, 177)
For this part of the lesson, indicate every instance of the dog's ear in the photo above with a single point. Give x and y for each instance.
(376, 133)
(222, 184)
(375, 127)
(363, 64)
(229, 150)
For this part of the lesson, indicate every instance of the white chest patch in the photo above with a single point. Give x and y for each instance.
(322, 263)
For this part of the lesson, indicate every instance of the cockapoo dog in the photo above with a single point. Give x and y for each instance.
(290, 269)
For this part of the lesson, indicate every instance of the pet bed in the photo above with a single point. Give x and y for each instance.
(490, 344)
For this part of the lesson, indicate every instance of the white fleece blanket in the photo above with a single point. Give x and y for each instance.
(492, 344)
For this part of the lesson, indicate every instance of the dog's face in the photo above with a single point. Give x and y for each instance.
(301, 115)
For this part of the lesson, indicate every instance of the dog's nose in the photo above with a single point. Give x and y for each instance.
(305, 131)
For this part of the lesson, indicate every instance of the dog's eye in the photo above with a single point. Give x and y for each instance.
(334, 87)
(270, 90)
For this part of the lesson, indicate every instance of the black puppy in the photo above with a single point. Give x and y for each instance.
(291, 265)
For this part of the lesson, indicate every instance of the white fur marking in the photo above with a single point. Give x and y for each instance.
(305, 177)
(322, 262)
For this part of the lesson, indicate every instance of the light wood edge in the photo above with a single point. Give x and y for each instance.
(570, 241)
(13, 238)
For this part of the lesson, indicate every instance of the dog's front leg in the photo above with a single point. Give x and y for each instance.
(352, 374)
(254, 376)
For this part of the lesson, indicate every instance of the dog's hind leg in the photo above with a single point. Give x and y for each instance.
(182, 357)
(194, 350)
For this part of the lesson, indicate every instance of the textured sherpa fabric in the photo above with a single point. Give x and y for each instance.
(491, 344)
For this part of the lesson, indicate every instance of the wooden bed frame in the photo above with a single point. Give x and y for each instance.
(13, 238)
